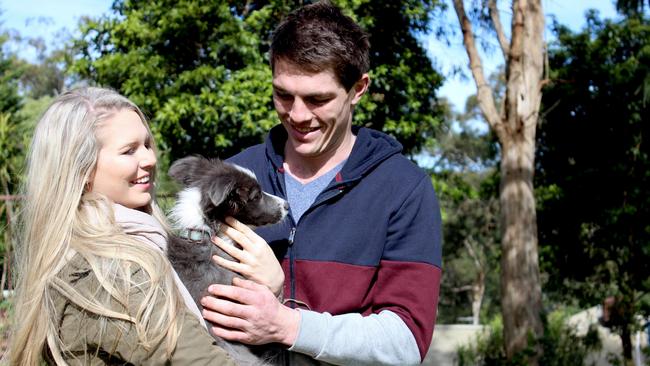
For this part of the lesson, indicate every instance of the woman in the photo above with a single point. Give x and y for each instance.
(94, 284)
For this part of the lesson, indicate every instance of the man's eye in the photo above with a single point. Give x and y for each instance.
(318, 101)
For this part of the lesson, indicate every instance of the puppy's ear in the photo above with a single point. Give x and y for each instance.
(185, 170)
(219, 189)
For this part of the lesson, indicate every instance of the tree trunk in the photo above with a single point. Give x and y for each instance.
(626, 342)
(520, 287)
(478, 286)
(478, 291)
(515, 125)
(6, 264)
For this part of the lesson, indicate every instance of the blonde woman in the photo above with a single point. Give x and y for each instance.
(94, 286)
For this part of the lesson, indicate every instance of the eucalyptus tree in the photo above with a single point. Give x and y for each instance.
(514, 122)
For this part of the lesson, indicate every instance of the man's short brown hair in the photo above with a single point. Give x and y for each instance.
(318, 37)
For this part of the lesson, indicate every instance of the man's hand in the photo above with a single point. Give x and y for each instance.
(256, 259)
(249, 313)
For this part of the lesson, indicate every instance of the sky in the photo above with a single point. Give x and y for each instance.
(45, 17)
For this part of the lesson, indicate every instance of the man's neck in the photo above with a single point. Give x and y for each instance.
(306, 169)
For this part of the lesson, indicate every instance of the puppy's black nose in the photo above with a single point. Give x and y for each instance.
(286, 205)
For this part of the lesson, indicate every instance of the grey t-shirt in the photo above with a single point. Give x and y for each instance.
(302, 196)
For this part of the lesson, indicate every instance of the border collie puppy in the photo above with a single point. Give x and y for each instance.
(212, 191)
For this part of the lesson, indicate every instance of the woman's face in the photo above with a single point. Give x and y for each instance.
(126, 161)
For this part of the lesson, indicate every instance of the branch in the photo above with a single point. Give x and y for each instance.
(496, 21)
(9, 197)
(472, 253)
(462, 288)
(484, 92)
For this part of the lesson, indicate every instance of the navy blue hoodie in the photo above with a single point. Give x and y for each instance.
(371, 241)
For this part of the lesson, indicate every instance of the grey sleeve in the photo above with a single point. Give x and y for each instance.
(353, 339)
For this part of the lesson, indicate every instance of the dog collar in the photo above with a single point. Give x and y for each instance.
(195, 234)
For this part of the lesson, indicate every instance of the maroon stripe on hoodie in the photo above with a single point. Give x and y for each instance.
(409, 289)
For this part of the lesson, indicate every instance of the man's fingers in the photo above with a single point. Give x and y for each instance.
(237, 294)
(236, 235)
(228, 248)
(230, 334)
(230, 265)
(224, 321)
(246, 284)
(235, 224)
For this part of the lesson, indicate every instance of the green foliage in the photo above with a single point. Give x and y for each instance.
(9, 74)
(10, 128)
(200, 71)
(471, 237)
(561, 345)
(593, 162)
(47, 75)
(466, 183)
(6, 311)
(632, 8)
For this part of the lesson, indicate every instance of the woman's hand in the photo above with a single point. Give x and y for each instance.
(257, 261)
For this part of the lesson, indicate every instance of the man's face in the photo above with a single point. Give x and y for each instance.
(314, 108)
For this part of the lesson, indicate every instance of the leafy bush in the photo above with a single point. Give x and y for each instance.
(561, 345)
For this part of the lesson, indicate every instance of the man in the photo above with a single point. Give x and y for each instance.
(361, 250)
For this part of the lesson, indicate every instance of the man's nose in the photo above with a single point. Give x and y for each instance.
(300, 112)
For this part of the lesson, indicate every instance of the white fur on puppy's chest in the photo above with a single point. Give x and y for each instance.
(187, 211)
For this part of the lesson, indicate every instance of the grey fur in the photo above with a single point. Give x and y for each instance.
(225, 190)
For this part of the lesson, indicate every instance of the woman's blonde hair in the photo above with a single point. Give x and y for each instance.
(61, 219)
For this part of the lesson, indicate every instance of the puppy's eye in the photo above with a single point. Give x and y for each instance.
(256, 196)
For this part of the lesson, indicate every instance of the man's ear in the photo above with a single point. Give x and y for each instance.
(360, 88)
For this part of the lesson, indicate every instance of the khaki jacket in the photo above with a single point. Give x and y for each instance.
(86, 343)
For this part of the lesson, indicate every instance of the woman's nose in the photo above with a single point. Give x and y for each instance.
(148, 159)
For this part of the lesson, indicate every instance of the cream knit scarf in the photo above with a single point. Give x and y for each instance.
(146, 228)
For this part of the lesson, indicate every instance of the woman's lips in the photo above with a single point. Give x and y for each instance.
(143, 182)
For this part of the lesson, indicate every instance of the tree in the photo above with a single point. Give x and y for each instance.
(10, 101)
(466, 183)
(593, 162)
(10, 145)
(514, 124)
(47, 75)
(470, 210)
(200, 69)
(632, 8)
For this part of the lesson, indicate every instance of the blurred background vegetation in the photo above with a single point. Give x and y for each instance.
(199, 70)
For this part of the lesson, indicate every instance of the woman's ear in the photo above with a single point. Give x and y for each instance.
(360, 88)
(88, 187)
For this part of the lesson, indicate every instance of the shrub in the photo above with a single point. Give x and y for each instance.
(561, 345)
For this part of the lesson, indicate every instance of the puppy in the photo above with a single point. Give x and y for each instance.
(212, 191)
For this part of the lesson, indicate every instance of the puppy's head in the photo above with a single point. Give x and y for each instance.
(217, 189)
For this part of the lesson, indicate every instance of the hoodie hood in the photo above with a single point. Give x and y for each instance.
(370, 149)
